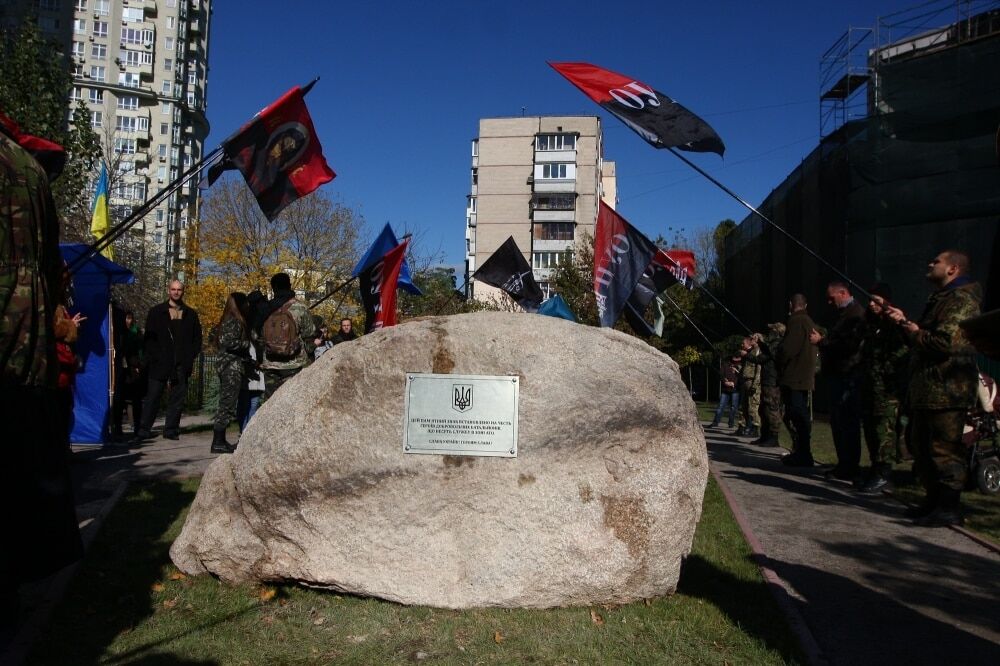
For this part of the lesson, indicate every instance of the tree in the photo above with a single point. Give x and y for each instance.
(315, 240)
(35, 86)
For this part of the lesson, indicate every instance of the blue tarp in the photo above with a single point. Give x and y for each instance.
(91, 297)
(556, 307)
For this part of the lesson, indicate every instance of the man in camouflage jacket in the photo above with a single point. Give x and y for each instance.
(942, 386)
(883, 356)
(749, 419)
(40, 527)
(279, 370)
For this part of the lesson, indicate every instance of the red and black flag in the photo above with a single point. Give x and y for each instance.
(507, 269)
(654, 116)
(49, 154)
(667, 268)
(278, 154)
(621, 255)
(378, 288)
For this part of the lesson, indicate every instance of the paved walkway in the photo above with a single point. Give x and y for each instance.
(871, 587)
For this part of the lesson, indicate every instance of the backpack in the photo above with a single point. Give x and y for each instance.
(281, 333)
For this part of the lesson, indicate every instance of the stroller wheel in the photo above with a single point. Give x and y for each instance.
(988, 476)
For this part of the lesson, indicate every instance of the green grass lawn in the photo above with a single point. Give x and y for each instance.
(129, 604)
(982, 512)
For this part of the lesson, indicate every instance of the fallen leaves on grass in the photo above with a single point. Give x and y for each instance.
(169, 603)
(177, 575)
(497, 637)
(157, 587)
(596, 618)
(266, 594)
(318, 621)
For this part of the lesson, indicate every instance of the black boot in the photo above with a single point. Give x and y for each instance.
(877, 481)
(927, 506)
(947, 512)
(766, 440)
(741, 431)
(219, 443)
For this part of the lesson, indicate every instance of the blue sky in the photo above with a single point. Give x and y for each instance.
(403, 85)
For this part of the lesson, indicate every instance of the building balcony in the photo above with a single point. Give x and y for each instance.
(539, 215)
(551, 246)
(554, 185)
(543, 156)
(543, 274)
(470, 219)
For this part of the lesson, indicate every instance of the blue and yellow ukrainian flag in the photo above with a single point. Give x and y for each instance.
(100, 221)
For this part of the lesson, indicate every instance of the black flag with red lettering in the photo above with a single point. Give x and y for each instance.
(278, 154)
(654, 116)
(507, 269)
(621, 255)
(378, 289)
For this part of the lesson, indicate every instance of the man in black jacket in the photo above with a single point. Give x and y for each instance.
(840, 350)
(172, 343)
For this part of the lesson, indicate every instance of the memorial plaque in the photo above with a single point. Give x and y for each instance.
(461, 415)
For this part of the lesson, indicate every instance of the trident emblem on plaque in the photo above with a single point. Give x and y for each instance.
(461, 400)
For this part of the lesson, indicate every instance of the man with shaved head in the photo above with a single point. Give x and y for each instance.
(942, 385)
(172, 343)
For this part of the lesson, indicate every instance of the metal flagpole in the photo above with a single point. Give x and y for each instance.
(333, 291)
(774, 225)
(451, 297)
(143, 210)
(690, 321)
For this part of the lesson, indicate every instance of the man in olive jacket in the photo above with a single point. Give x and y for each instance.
(172, 343)
(796, 361)
(942, 386)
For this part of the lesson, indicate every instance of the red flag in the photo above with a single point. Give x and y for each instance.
(378, 289)
(278, 154)
(621, 254)
(654, 116)
(680, 264)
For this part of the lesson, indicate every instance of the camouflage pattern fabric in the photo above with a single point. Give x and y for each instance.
(232, 367)
(883, 366)
(30, 269)
(307, 332)
(879, 427)
(943, 372)
(750, 407)
(770, 400)
(273, 379)
(938, 451)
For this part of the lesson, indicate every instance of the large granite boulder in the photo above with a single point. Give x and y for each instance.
(599, 506)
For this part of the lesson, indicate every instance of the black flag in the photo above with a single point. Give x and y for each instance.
(507, 269)
(621, 254)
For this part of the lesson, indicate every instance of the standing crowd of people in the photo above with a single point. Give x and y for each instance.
(889, 378)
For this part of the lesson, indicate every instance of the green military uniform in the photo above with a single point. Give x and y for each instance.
(883, 353)
(234, 355)
(942, 384)
(750, 383)
(770, 393)
(279, 370)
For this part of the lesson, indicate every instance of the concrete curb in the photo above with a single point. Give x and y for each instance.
(777, 587)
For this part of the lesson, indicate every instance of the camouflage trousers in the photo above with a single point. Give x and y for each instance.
(938, 451)
(273, 379)
(880, 429)
(770, 410)
(750, 407)
(231, 378)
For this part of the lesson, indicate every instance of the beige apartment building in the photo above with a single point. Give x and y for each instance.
(141, 66)
(538, 179)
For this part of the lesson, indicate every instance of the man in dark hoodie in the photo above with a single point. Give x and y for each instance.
(942, 386)
(840, 350)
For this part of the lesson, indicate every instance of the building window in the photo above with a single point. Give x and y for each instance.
(128, 79)
(99, 51)
(475, 176)
(163, 150)
(49, 5)
(168, 64)
(132, 14)
(96, 96)
(167, 87)
(102, 7)
(548, 259)
(556, 171)
(165, 108)
(168, 43)
(475, 147)
(76, 94)
(472, 204)
(100, 28)
(77, 70)
(171, 22)
(158, 237)
(128, 102)
(97, 72)
(136, 36)
(80, 5)
(192, 77)
(555, 142)
(164, 129)
(78, 48)
(48, 23)
(125, 146)
(124, 167)
(137, 58)
(555, 202)
(558, 231)
(161, 173)
(96, 118)
(80, 26)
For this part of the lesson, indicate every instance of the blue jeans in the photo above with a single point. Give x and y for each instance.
(247, 406)
(727, 400)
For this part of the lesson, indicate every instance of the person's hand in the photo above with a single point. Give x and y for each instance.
(815, 336)
(77, 319)
(895, 314)
(909, 326)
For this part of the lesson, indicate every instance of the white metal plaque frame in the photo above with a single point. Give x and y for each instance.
(461, 415)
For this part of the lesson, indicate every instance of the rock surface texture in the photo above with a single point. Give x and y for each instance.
(600, 505)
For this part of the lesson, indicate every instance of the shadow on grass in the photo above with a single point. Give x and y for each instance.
(748, 604)
(106, 598)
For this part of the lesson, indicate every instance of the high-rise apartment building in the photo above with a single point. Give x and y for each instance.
(141, 66)
(538, 179)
